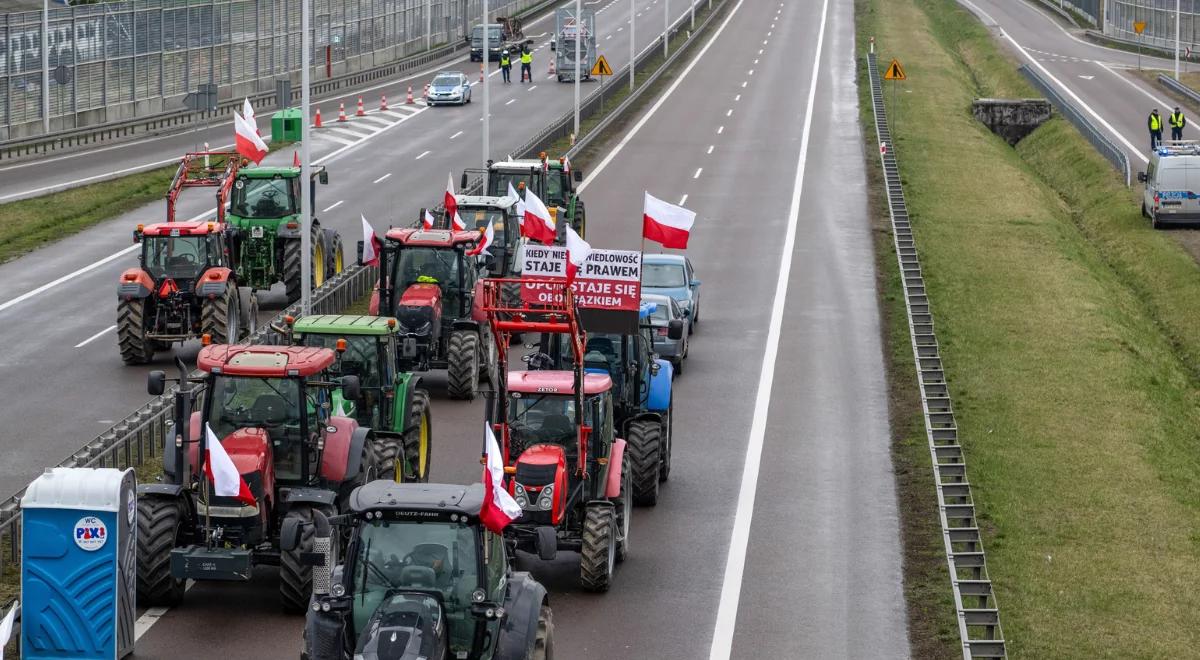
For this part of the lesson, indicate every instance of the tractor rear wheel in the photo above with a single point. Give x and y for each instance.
(643, 446)
(599, 551)
(295, 578)
(462, 368)
(220, 318)
(579, 219)
(159, 530)
(320, 252)
(417, 455)
(543, 644)
(387, 449)
(131, 332)
(291, 269)
(624, 507)
(337, 256)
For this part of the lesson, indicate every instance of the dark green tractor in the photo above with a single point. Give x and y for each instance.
(389, 401)
(552, 181)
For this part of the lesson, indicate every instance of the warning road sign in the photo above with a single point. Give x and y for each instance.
(601, 68)
(1139, 27)
(895, 72)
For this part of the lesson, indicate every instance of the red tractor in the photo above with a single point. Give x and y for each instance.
(558, 440)
(431, 285)
(183, 287)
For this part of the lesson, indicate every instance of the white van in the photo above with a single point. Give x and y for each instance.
(1172, 181)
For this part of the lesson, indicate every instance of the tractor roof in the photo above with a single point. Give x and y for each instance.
(344, 324)
(432, 237)
(387, 495)
(268, 172)
(198, 228)
(264, 361)
(522, 164)
(489, 201)
(555, 382)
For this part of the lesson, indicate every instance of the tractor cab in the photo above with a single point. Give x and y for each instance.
(270, 193)
(552, 181)
(422, 578)
(478, 211)
(181, 251)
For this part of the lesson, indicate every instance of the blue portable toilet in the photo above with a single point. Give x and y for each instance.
(78, 564)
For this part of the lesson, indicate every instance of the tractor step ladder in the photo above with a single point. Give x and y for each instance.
(204, 169)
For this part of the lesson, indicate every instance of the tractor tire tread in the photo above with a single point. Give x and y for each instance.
(599, 528)
(462, 365)
(214, 316)
(643, 446)
(131, 333)
(159, 520)
(412, 437)
(291, 269)
(295, 578)
(543, 643)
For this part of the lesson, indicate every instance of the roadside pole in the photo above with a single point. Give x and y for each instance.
(428, 24)
(694, 15)
(632, 44)
(487, 105)
(1177, 3)
(46, 66)
(578, 54)
(666, 27)
(306, 197)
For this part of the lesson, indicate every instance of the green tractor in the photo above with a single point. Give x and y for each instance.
(552, 181)
(390, 402)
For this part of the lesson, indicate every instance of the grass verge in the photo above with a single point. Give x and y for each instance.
(1065, 326)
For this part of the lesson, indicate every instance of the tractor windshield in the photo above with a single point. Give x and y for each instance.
(271, 404)
(177, 257)
(499, 179)
(363, 358)
(543, 418)
(264, 198)
(478, 218)
(554, 188)
(434, 557)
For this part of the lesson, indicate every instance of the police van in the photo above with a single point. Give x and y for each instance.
(1172, 178)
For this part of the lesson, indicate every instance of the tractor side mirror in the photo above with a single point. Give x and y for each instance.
(675, 329)
(578, 174)
(156, 383)
(462, 184)
(289, 534)
(351, 388)
(1141, 177)
(323, 177)
(359, 249)
(553, 45)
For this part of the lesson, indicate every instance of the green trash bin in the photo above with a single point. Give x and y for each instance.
(285, 125)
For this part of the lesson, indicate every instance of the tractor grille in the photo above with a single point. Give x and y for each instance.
(320, 577)
(535, 475)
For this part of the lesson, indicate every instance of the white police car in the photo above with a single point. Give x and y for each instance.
(449, 87)
(1172, 178)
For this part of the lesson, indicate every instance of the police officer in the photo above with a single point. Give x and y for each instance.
(505, 66)
(526, 63)
(1177, 121)
(1155, 125)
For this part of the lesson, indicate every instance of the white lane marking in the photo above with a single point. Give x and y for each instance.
(760, 51)
(735, 564)
(335, 205)
(73, 275)
(661, 100)
(382, 178)
(152, 615)
(751, 72)
(424, 154)
(768, 33)
(710, 148)
(720, 130)
(729, 112)
(1086, 77)
(97, 177)
(698, 171)
(350, 133)
(375, 119)
(339, 140)
(1134, 85)
(620, 28)
(510, 102)
(456, 135)
(756, 60)
(96, 336)
(682, 201)
(744, 83)
(531, 88)
(738, 97)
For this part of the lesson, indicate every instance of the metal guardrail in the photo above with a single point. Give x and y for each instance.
(1179, 88)
(974, 600)
(1102, 144)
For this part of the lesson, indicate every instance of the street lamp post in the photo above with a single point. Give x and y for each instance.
(487, 105)
(46, 66)
(632, 43)
(1177, 7)
(578, 54)
(306, 197)
(666, 27)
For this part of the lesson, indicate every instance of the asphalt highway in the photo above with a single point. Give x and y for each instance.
(777, 536)
(58, 304)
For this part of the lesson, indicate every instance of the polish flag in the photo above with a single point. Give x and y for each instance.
(566, 165)
(457, 221)
(578, 252)
(539, 226)
(227, 481)
(371, 243)
(499, 508)
(248, 113)
(449, 202)
(6, 627)
(488, 235)
(666, 223)
(247, 141)
(427, 221)
(520, 205)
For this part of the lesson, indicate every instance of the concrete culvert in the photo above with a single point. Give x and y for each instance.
(1011, 119)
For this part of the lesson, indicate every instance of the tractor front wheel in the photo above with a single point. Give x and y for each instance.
(417, 453)
(337, 256)
(599, 551)
(624, 507)
(159, 530)
(131, 332)
(462, 368)
(579, 219)
(220, 318)
(543, 644)
(643, 446)
(295, 577)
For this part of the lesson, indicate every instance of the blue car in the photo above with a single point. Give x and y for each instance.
(672, 275)
(449, 87)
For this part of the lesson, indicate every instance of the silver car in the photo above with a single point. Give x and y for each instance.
(449, 87)
(667, 310)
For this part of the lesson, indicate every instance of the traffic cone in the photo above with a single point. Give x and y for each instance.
(425, 94)
(360, 112)
(342, 112)
(552, 71)
(318, 122)
(383, 103)
(409, 99)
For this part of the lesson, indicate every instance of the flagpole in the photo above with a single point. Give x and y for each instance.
(487, 105)
(305, 164)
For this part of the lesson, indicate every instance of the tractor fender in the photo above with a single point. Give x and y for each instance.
(658, 398)
(193, 448)
(465, 324)
(213, 282)
(134, 284)
(477, 313)
(523, 602)
(616, 459)
(284, 232)
(160, 490)
(406, 384)
(344, 440)
(321, 496)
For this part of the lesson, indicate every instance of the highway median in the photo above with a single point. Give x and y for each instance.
(1067, 331)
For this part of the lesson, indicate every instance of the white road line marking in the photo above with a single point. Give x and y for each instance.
(456, 135)
(424, 154)
(698, 171)
(374, 119)
(510, 102)
(346, 131)
(531, 88)
(339, 140)
(89, 340)
(711, 147)
(756, 61)
(620, 28)
(335, 205)
(382, 178)
(720, 130)
(760, 51)
(768, 33)
(73, 275)
(1134, 85)
(744, 83)
(735, 563)
(729, 112)
(738, 97)
(751, 72)
(765, 41)
(152, 615)
(682, 201)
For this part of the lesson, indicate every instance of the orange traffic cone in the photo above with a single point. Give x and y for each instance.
(409, 99)
(383, 103)
(342, 112)
(360, 112)
(318, 122)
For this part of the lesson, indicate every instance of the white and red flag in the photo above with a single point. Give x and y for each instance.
(566, 162)
(226, 480)
(247, 141)
(578, 251)
(448, 201)
(499, 508)
(248, 113)
(427, 220)
(6, 627)
(538, 225)
(371, 244)
(456, 221)
(488, 234)
(666, 223)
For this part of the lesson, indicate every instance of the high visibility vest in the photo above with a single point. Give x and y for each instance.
(504, 61)
(1176, 120)
(1155, 123)
(526, 58)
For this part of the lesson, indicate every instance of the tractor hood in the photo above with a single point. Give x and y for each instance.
(422, 294)
(250, 449)
(419, 309)
(406, 626)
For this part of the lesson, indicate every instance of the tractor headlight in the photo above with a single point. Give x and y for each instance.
(338, 590)
(546, 499)
(521, 497)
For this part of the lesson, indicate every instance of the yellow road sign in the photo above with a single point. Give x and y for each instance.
(1139, 27)
(601, 68)
(895, 72)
